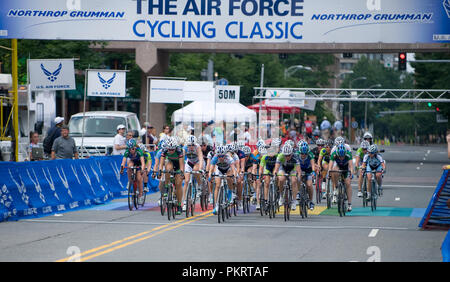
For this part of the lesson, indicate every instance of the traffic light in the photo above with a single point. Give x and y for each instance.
(429, 104)
(401, 61)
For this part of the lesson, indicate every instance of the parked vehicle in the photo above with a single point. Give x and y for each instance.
(100, 127)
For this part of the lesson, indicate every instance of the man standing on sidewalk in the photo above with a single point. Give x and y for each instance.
(64, 146)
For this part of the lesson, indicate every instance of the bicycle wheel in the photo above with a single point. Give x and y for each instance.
(373, 196)
(193, 199)
(169, 202)
(302, 201)
(262, 203)
(318, 189)
(364, 191)
(188, 199)
(329, 194)
(305, 201)
(219, 206)
(162, 203)
(287, 207)
(270, 202)
(130, 196)
(340, 200)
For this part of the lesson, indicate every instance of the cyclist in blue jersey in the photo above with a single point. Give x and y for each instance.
(221, 164)
(307, 165)
(373, 162)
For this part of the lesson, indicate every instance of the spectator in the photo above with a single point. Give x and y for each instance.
(52, 134)
(325, 127)
(119, 144)
(166, 132)
(64, 146)
(338, 128)
(149, 137)
(34, 140)
(308, 127)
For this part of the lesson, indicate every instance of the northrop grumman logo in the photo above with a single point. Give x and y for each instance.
(52, 76)
(446, 5)
(106, 83)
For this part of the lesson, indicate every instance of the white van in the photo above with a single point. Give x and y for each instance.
(100, 129)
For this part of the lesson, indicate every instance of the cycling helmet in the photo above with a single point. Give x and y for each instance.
(304, 148)
(276, 142)
(239, 145)
(142, 147)
(131, 143)
(339, 140)
(373, 149)
(262, 150)
(367, 135)
(247, 151)
(341, 151)
(221, 150)
(171, 143)
(365, 145)
(230, 147)
(191, 140)
(330, 143)
(287, 149)
(289, 142)
(320, 142)
(260, 143)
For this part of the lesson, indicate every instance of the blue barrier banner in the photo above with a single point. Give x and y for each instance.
(445, 248)
(34, 189)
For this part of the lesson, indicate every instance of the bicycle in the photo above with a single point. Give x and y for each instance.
(204, 194)
(304, 197)
(342, 193)
(191, 194)
(171, 201)
(376, 191)
(318, 186)
(163, 196)
(133, 193)
(222, 199)
(364, 189)
(329, 192)
(246, 193)
(287, 195)
(272, 202)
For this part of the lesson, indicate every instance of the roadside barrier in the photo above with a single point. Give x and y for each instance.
(437, 215)
(445, 248)
(35, 189)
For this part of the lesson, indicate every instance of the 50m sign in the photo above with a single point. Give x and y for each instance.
(227, 94)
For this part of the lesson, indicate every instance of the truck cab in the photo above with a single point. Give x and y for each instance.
(100, 127)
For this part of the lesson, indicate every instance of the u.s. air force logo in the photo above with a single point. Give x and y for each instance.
(106, 83)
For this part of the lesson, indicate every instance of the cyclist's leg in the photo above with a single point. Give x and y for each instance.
(266, 186)
(349, 188)
(310, 188)
(140, 180)
(129, 165)
(369, 179)
(294, 188)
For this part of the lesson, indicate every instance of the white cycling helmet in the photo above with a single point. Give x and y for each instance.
(247, 150)
(262, 150)
(260, 143)
(365, 144)
(171, 143)
(221, 150)
(276, 142)
(191, 140)
(339, 140)
(287, 149)
(230, 147)
(367, 135)
(373, 149)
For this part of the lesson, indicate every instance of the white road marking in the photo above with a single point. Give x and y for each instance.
(428, 151)
(397, 199)
(373, 233)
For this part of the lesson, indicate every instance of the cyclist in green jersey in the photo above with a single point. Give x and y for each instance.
(266, 166)
(148, 165)
(287, 165)
(344, 161)
(323, 161)
(362, 150)
(134, 156)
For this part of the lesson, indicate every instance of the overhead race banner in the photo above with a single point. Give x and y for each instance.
(167, 91)
(259, 21)
(106, 83)
(55, 74)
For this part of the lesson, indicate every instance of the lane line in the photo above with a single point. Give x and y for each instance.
(140, 239)
(176, 223)
(373, 233)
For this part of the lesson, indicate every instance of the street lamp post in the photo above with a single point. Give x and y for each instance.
(350, 109)
(295, 67)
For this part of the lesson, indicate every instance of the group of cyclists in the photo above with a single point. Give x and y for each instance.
(270, 158)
